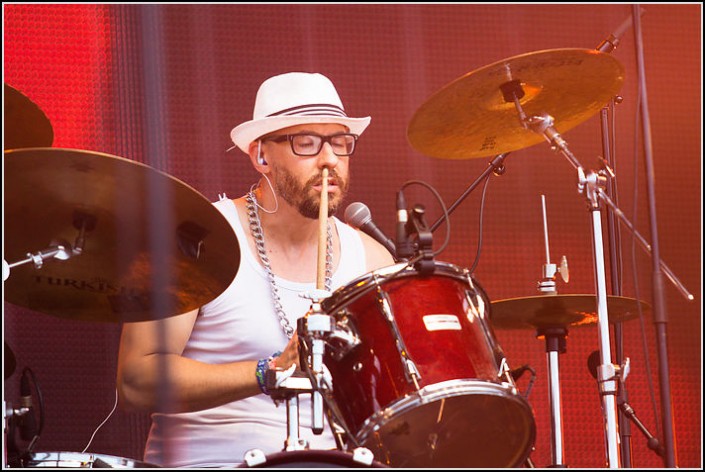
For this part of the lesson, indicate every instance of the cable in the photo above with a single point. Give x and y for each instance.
(479, 227)
(101, 424)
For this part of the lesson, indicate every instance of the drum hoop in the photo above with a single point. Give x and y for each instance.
(81, 460)
(348, 293)
(435, 392)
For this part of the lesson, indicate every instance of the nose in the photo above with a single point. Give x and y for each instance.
(327, 158)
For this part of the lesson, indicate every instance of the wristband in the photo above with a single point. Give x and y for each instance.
(263, 365)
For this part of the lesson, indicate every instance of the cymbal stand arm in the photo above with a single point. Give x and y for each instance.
(496, 166)
(645, 245)
(57, 250)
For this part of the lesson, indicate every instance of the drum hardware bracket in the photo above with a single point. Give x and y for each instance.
(607, 376)
(411, 372)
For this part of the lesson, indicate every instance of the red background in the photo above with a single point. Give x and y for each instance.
(164, 84)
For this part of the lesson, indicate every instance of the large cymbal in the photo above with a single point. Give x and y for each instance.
(155, 247)
(470, 118)
(26, 125)
(549, 311)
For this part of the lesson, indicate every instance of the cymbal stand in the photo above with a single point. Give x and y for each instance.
(555, 338)
(588, 184)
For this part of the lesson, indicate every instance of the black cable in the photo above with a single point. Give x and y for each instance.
(479, 227)
(443, 207)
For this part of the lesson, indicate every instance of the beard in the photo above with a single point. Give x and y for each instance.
(299, 196)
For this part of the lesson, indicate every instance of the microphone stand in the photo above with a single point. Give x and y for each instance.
(660, 315)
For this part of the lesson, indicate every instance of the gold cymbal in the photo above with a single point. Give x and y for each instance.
(26, 125)
(154, 247)
(547, 311)
(470, 118)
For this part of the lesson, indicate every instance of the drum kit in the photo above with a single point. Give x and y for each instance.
(370, 351)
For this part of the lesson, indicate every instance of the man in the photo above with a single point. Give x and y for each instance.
(202, 372)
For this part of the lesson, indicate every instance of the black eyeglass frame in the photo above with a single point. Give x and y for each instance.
(324, 139)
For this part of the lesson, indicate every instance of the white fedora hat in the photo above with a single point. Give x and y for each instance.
(293, 99)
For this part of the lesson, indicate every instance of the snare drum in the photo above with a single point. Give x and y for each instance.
(79, 460)
(424, 383)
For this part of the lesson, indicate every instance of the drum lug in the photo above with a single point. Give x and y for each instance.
(362, 455)
(255, 457)
(411, 372)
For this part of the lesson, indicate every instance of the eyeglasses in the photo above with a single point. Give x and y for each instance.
(310, 144)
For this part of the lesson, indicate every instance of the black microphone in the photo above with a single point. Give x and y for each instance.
(404, 249)
(358, 216)
(28, 423)
(593, 362)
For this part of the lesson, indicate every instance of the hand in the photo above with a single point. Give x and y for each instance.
(290, 355)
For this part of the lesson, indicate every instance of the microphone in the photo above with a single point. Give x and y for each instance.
(28, 423)
(404, 250)
(358, 216)
(592, 362)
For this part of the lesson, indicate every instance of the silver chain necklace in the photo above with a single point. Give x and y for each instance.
(258, 236)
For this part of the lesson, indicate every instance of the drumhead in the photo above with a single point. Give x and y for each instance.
(79, 460)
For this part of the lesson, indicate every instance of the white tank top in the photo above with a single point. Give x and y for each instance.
(240, 325)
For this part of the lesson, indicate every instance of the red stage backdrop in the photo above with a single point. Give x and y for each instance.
(164, 84)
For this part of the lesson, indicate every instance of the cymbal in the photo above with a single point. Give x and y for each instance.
(470, 118)
(547, 311)
(154, 247)
(26, 125)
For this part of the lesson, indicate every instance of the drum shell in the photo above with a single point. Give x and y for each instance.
(441, 322)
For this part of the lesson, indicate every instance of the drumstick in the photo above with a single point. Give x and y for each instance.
(322, 232)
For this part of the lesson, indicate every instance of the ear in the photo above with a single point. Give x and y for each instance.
(257, 157)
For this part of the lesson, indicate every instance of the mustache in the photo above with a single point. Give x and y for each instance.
(318, 179)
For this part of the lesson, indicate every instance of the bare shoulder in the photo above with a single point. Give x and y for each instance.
(376, 255)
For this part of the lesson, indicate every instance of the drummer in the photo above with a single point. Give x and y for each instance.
(201, 373)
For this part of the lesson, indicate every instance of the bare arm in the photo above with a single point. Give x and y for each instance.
(153, 375)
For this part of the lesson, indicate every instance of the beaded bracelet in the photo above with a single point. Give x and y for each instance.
(263, 365)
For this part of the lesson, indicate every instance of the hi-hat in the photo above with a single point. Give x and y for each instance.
(26, 125)
(470, 117)
(549, 311)
(154, 247)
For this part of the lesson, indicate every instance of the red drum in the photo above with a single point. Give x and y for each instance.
(311, 459)
(417, 374)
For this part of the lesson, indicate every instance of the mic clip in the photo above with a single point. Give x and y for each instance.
(422, 240)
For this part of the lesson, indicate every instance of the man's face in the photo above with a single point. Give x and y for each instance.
(297, 179)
